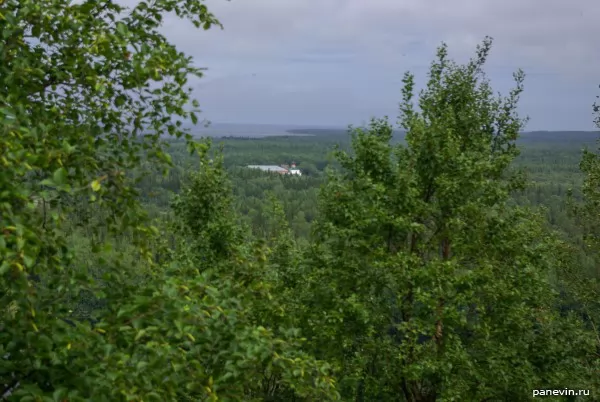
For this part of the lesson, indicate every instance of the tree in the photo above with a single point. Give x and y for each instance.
(213, 245)
(425, 284)
(579, 275)
(87, 89)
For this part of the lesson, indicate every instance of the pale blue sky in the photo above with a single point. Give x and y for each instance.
(337, 62)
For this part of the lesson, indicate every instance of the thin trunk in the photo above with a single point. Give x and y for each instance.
(439, 325)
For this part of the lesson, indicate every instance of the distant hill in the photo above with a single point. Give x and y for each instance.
(329, 132)
(581, 137)
(224, 130)
(586, 137)
(333, 132)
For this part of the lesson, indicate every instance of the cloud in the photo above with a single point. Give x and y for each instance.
(338, 61)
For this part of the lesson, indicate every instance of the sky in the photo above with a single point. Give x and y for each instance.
(340, 62)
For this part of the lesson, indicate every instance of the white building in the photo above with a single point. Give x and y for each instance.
(278, 169)
(293, 170)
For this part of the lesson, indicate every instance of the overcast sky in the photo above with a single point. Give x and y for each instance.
(337, 62)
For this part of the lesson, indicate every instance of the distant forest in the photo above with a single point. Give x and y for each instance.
(580, 137)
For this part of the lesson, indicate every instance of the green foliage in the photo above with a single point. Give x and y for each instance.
(86, 91)
(580, 276)
(211, 242)
(204, 217)
(429, 284)
(411, 275)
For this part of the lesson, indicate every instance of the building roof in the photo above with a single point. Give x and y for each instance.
(268, 168)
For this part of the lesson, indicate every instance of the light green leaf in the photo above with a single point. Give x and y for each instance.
(96, 185)
(60, 176)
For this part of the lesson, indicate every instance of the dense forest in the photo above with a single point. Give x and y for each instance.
(451, 258)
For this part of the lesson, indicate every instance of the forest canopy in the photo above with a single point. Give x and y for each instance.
(458, 262)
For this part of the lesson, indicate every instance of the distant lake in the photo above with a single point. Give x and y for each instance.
(250, 130)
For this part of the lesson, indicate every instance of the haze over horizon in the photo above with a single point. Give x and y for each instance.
(340, 62)
(250, 130)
